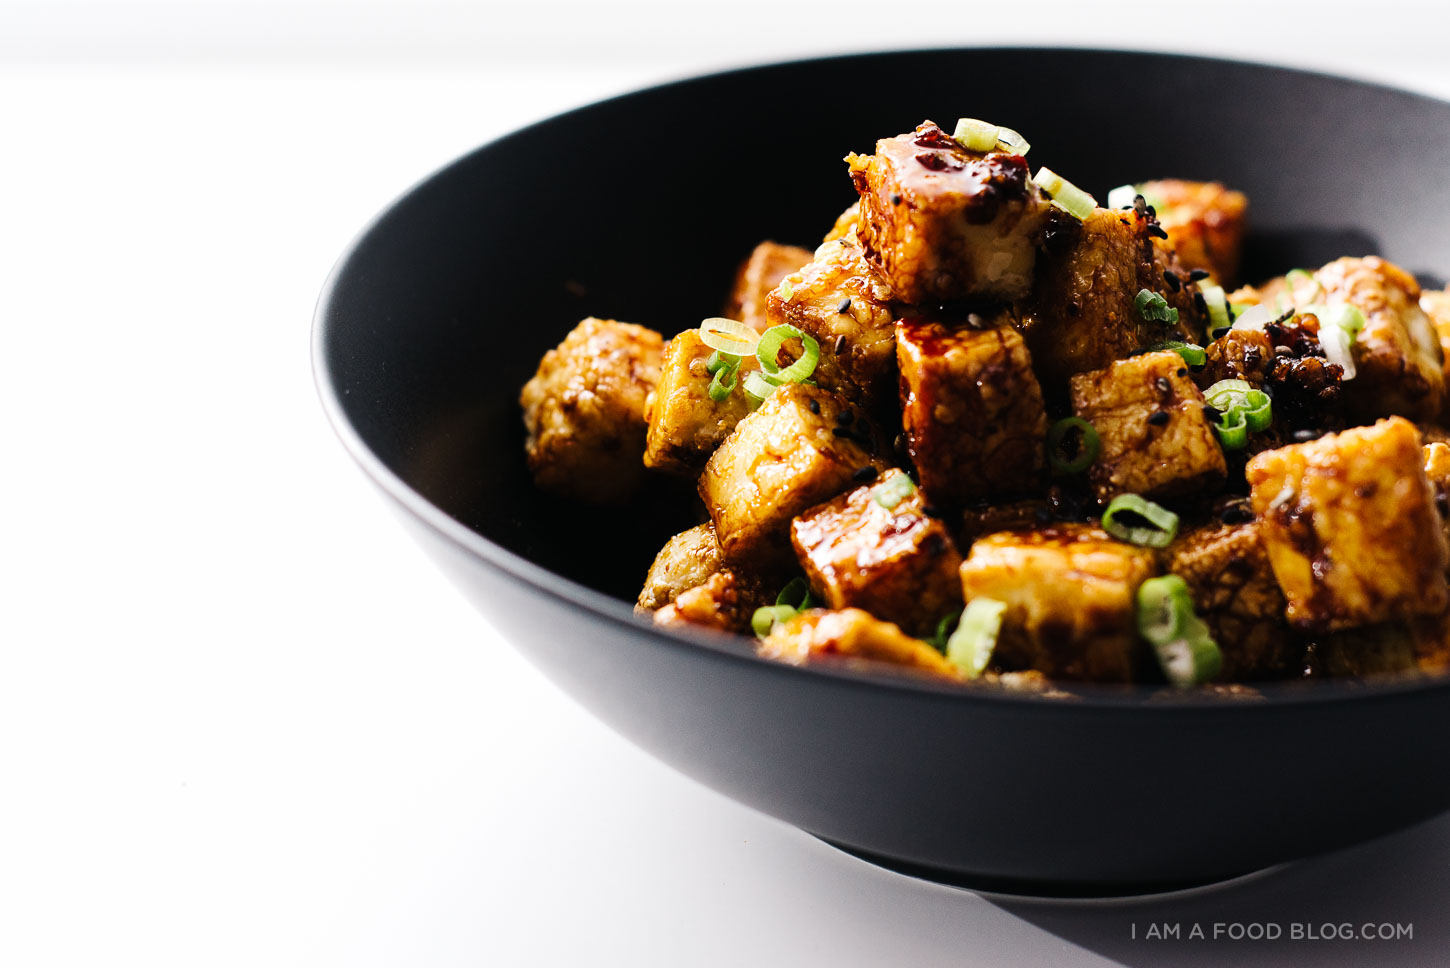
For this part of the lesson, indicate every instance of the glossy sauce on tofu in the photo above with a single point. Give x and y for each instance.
(990, 431)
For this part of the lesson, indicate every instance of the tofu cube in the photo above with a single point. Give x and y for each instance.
(1227, 571)
(1205, 223)
(1070, 592)
(972, 411)
(846, 222)
(726, 601)
(1437, 472)
(942, 222)
(800, 448)
(1155, 439)
(762, 271)
(1436, 305)
(1081, 315)
(685, 425)
(687, 560)
(585, 410)
(1351, 529)
(845, 306)
(851, 634)
(896, 563)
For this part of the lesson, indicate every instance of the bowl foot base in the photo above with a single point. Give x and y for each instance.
(1026, 889)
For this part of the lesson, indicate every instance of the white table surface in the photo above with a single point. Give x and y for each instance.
(243, 721)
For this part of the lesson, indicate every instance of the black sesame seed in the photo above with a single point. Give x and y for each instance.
(839, 344)
(815, 406)
(1236, 514)
(1163, 385)
(1152, 211)
(1199, 303)
(931, 510)
(1158, 419)
(1157, 231)
(1306, 435)
(1283, 351)
(844, 417)
(1197, 275)
(1171, 277)
(900, 443)
(975, 321)
(1210, 412)
(845, 305)
(864, 474)
(895, 199)
(1074, 309)
(1182, 371)
(1140, 204)
(1220, 333)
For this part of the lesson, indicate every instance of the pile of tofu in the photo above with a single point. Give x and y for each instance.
(960, 313)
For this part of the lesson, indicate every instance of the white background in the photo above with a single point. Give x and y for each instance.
(242, 720)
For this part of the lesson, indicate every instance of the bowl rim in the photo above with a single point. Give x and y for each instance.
(734, 648)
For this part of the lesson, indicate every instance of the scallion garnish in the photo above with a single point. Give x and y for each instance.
(728, 336)
(757, 387)
(718, 360)
(1162, 524)
(975, 135)
(1065, 195)
(1151, 307)
(1217, 303)
(1009, 140)
(1244, 410)
(796, 594)
(970, 646)
(766, 616)
(1232, 430)
(896, 488)
(769, 346)
(1086, 450)
(1294, 277)
(943, 631)
(1192, 353)
(723, 383)
(1180, 639)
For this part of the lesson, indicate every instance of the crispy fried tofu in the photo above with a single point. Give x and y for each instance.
(687, 560)
(971, 409)
(1436, 305)
(1437, 472)
(685, 424)
(942, 222)
(797, 450)
(844, 304)
(850, 634)
(1234, 592)
(1070, 595)
(846, 222)
(1351, 529)
(1204, 221)
(1081, 315)
(895, 562)
(726, 601)
(585, 410)
(762, 271)
(1155, 439)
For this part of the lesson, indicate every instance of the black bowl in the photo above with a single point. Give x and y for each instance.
(638, 208)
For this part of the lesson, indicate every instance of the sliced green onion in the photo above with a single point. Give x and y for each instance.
(1123, 196)
(757, 387)
(895, 489)
(1217, 303)
(1341, 316)
(1338, 349)
(1065, 195)
(976, 135)
(940, 637)
(1181, 641)
(970, 646)
(718, 360)
(1258, 410)
(769, 346)
(723, 383)
(1239, 309)
(1009, 140)
(766, 616)
(1192, 353)
(796, 594)
(1232, 430)
(1227, 394)
(1296, 276)
(1087, 447)
(1151, 307)
(728, 336)
(1162, 523)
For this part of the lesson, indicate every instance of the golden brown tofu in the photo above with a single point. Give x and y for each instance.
(585, 410)
(942, 222)
(797, 450)
(1437, 471)
(1436, 305)
(895, 562)
(1351, 529)
(849, 634)
(762, 271)
(1070, 595)
(971, 409)
(840, 301)
(1234, 592)
(685, 425)
(687, 560)
(1081, 315)
(726, 601)
(1204, 221)
(1155, 439)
